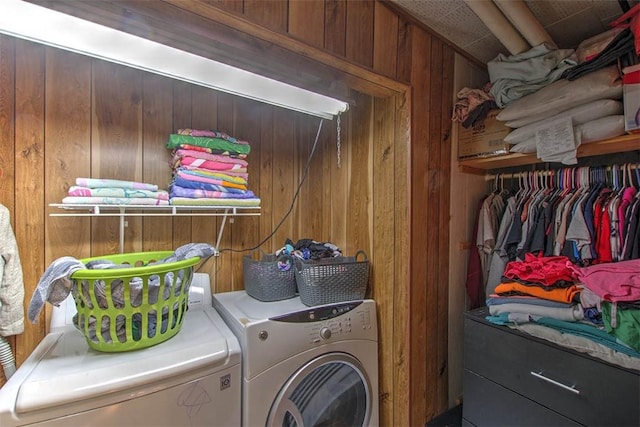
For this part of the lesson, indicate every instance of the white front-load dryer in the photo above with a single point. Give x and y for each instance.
(305, 366)
(192, 379)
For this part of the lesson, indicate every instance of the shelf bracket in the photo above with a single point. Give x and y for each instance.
(122, 224)
(216, 251)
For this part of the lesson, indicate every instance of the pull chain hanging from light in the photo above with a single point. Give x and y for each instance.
(338, 141)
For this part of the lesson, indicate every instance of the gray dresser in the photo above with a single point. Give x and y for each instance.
(514, 379)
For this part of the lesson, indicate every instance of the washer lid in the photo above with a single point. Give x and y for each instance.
(65, 370)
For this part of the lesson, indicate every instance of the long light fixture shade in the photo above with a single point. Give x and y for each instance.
(52, 28)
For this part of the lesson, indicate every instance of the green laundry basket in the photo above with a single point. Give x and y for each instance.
(136, 306)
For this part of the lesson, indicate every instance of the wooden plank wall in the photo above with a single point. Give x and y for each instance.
(65, 116)
(469, 189)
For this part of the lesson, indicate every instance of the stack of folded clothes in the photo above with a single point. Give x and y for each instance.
(209, 169)
(96, 191)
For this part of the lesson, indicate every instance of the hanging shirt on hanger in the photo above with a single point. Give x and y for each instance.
(632, 233)
(500, 258)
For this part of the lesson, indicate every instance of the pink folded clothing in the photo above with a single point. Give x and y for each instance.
(211, 165)
(182, 152)
(243, 175)
(614, 281)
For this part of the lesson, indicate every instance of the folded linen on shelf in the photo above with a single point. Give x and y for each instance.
(209, 133)
(218, 144)
(228, 174)
(215, 202)
(515, 76)
(518, 312)
(561, 294)
(595, 130)
(196, 193)
(71, 200)
(186, 183)
(207, 175)
(583, 338)
(495, 299)
(583, 113)
(562, 95)
(578, 115)
(114, 183)
(211, 165)
(187, 180)
(78, 191)
(182, 152)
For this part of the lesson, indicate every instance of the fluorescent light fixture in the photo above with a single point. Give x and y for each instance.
(39, 24)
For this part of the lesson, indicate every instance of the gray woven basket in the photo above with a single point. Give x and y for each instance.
(332, 280)
(269, 279)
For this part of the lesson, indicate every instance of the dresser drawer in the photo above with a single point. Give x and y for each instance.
(493, 405)
(577, 386)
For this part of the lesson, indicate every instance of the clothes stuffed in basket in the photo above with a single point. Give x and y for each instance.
(135, 294)
(309, 249)
(284, 264)
(56, 284)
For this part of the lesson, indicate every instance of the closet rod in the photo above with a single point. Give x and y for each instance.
(546, 172)
(515, 175)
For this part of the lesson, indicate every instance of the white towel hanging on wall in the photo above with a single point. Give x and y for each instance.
(11, 280)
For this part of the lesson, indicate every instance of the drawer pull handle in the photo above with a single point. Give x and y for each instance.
(572, 389)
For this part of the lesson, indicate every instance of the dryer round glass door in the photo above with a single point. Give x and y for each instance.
(332, 389)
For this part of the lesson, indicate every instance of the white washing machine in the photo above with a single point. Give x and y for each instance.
(192, 379)
(305, 366)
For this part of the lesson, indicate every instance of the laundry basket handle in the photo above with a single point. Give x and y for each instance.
(364, 254)
(259, 251)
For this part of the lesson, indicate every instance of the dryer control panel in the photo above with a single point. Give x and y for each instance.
(317, 314)
(325, 330)
(329, 322)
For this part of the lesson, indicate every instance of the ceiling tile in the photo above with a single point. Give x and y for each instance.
(568, 22)
(486, 48)
(584, 25)
(606, 10)
(431, 10)
(550, 12)
(462, 26)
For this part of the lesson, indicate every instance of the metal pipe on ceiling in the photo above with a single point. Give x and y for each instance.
(521, 17)
(499, 25)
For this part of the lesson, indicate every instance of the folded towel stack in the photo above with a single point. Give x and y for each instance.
(97, 191)
(209, 169)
